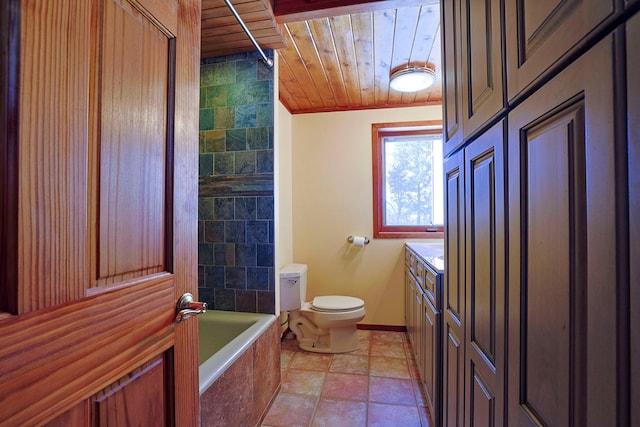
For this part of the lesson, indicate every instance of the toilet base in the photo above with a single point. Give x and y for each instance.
(339, 340)
(312, 338)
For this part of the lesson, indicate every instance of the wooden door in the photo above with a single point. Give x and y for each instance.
(453, 310)
(485, 321)
(99, 221)
(633, 141)
(540, 32)
(563, 257)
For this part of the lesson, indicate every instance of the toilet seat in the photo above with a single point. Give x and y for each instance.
(336, 303)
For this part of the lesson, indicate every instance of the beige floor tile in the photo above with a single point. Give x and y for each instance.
(391, 390)
(382, 415)
(387, 349)
(311, 361)
(340, 413)
(350, 364)
(346, 386)
(388, 367)
(302, 382)
(290, 410)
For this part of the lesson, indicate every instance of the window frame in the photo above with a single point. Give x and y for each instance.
(378, 132)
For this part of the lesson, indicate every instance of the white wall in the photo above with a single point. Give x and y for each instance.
(331, 195)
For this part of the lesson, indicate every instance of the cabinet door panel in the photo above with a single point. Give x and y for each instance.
(485, 280)
(453, 301)
(633, 100)
(539, 32)
(482, 402)
(562, 296)
(482, 62)
(419, 329)
(432, 371)
(453, 382)
(453, 311)
(451, 77)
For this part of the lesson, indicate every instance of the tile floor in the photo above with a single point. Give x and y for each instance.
(376, 385)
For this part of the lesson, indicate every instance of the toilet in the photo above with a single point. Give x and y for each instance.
(325, 325)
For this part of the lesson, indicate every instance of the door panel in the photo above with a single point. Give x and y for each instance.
(453, 309)
(482, 63)
(482, 402)
(562, 298)
(135, 398)
(453, 382)
(453, 301)
(133, 107)
(451, 78)
(485, 282)
(540, 32)
(430, 336)
(107, 191)
(553, 303)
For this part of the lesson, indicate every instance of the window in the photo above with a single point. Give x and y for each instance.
(408, 191)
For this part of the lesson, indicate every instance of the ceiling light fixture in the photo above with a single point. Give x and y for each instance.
(412, 78)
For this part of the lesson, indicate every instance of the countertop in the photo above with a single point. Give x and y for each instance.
(431, 253)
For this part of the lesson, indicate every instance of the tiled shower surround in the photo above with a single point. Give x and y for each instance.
(235, 201)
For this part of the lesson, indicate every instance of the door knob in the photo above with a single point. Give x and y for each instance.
(187, 307)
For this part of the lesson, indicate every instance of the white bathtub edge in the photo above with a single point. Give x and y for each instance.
(213, 367)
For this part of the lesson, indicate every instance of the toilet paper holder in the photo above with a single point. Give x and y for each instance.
(350, 240)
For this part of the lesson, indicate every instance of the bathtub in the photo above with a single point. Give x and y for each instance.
(239, 358)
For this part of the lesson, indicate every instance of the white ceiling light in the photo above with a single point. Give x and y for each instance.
(412, 79)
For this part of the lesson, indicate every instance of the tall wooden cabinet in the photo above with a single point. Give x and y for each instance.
(541, 198)
(633, 138)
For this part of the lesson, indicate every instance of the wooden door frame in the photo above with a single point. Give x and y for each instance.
(9, 125)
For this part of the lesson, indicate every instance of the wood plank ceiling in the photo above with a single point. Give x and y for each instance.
(334, 55)
(222, 35)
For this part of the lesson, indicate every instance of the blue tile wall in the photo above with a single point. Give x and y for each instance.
(236, 267)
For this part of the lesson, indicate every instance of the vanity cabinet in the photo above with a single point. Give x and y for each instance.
(423, 302)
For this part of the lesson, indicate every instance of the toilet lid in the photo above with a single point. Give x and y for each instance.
(336, 303)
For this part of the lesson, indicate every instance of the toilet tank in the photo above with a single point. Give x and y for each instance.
(293, 286)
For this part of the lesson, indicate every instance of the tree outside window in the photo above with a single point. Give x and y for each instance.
(408, 186)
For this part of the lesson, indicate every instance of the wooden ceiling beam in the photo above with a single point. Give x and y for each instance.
(296, 10)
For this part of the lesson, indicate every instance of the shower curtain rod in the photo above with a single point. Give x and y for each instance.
(267, 61)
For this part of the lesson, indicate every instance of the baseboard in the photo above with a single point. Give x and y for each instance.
(389, 328)
(382, 328)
